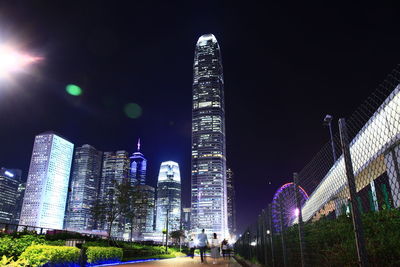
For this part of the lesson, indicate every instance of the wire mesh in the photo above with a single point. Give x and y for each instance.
(326, 234)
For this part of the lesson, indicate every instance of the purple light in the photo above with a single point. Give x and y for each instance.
(296, 212)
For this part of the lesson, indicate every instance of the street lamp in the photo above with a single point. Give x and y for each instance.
(328, 122)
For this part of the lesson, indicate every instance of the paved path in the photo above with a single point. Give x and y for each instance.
(185, 261)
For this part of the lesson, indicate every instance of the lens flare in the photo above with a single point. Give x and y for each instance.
(73, 89)
(12, 60)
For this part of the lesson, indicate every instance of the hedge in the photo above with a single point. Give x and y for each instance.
(96, 255)
(38, 255)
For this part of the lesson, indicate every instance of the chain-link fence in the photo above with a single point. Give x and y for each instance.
(342, 208)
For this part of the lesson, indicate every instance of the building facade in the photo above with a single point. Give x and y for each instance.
(138, 167)
(114, 170)
(85, 181)
(47, 184)
(20, 199)
(185, 220)
(142, 220)
(208, 192)
(9, 183)
(168, 197)
(231, 201)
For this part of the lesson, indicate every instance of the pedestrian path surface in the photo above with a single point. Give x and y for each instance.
(185, 261)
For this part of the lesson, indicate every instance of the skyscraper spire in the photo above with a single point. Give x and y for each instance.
(138, 144)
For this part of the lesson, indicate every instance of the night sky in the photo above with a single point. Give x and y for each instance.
(285, 67)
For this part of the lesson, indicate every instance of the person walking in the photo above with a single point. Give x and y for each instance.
(215, 248)
(224, 248)
(203, 241)
(192, 247)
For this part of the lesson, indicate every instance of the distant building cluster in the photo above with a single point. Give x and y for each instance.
(86, 190)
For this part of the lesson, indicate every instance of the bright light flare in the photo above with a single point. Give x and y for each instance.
(296, 212)
(12, 60)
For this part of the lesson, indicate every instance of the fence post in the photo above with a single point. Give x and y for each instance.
(271, 231)
(282, 233)
(264, 238)
(357, 224)
(300, 218)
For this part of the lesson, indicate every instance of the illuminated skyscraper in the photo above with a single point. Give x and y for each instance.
(115, 170)
(138, 167)
(209, 194)
(168, 197)
(85, 180)
(231, 201)
(47, 185)
(143, 211)
(9, 183)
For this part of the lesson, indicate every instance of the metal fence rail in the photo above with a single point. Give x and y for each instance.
(342, 208)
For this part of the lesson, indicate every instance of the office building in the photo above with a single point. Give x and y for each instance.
(185, 219)
(168, 197)
(231, 201)
(115, 169)
(20, 199)
(138, 167)
(9, 182)
(47, 184)
(85, 180)
(208, 192)
(143, 212)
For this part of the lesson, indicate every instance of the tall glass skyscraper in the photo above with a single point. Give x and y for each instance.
(231, 200)
(209, 194)
(168, 197)
(143, 211)
(47, 185)
(85, 180)
(9, 183)
(138, 167)
(115, 170)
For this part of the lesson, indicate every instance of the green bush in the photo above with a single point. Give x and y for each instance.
(101, 243)
(103, 254)
(13, 247)
(38, 255)
(9, 262)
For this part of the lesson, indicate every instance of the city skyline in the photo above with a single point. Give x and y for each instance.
(285, 68)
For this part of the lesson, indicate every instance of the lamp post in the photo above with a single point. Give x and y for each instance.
(328, 122)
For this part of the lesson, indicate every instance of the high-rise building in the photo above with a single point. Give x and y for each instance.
(231, 201)
(115, 170)
(209, 194)
(20, 199)
(185, 220)
(85, 180)
(9, 182)
(143, 211)
(47, 185)
(168, 197)
(138, 167)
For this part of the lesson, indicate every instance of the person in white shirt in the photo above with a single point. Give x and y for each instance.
(215, 248)
(203, 241)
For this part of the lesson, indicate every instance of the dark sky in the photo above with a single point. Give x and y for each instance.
(285, 67)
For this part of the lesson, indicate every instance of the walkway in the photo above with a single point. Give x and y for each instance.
(184, 261)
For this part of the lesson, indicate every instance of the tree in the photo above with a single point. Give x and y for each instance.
(177, 236)
(116, 204)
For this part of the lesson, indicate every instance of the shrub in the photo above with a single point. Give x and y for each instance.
(103, 254)
(96, 244)
(13, 247)
(38, 255)
(9, 262)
